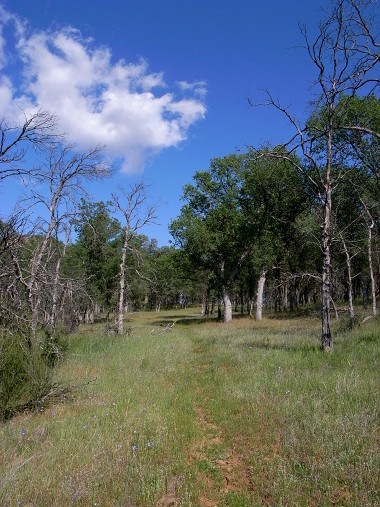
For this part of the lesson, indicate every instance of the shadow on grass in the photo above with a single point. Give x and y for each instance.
(175, 316)
(292, 347)
(186, 321)
(294, 314)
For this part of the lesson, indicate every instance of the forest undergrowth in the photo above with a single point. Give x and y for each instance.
(189, 411)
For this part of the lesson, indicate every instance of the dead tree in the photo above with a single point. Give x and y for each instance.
(345, 54)
(136, 216)
(55, 187)
(37, 130)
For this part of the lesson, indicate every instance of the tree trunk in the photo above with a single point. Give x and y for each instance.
(285, 305)
(373, 285)
(227, 307)
(260, 294)
(364, 291)
(53, 321)
(327, 342)
(122, 284)
(219, 309)
(348, 262)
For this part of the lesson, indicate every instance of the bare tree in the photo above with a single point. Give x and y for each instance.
(55, 186)
(57, 276)
(136, 215)
(345, 54)
(370, 225)
(37, 130)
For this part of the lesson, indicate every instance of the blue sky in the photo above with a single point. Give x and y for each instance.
(164, 84)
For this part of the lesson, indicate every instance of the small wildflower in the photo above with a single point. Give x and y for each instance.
(134, 448)
(287, 392)
(101, 476)
(85, 427)
(41, 409)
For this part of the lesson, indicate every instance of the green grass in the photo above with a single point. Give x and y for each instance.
(245, 414)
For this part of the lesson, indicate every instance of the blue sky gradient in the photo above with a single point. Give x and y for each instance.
(224, 51)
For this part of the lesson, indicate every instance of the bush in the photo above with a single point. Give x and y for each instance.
(53, 348)
(25, 375)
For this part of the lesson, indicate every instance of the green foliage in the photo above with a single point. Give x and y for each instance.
(25, 375)
(95, 257)
(53, 348)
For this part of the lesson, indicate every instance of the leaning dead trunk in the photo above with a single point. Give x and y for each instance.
(260, 294)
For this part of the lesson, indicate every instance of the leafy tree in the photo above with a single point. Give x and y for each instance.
(95, 256)
(211, 223)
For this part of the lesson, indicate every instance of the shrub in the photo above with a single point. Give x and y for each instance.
(25, 374)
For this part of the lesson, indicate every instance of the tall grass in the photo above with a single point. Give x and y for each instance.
(246, 414)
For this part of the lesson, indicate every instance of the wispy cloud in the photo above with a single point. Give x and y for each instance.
(199, 88)
(119, 104)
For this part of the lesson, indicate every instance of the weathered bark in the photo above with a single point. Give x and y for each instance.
(251, 304)
(371, 224)
(227, 307)
(122, 282)
(203, 308)
(373, 285)
(349, 275)
(260, 294)
(53, 321)
(327, 342)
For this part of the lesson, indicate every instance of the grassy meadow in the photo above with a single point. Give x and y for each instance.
(203, 414)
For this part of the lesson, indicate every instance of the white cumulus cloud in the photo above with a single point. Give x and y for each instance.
(121, 105)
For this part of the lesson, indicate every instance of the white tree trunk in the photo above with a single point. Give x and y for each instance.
(348, 263)
(285, 306)
(373, 285)
(260, 294)
(122, 284)
(327, 342)
(227, 307)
